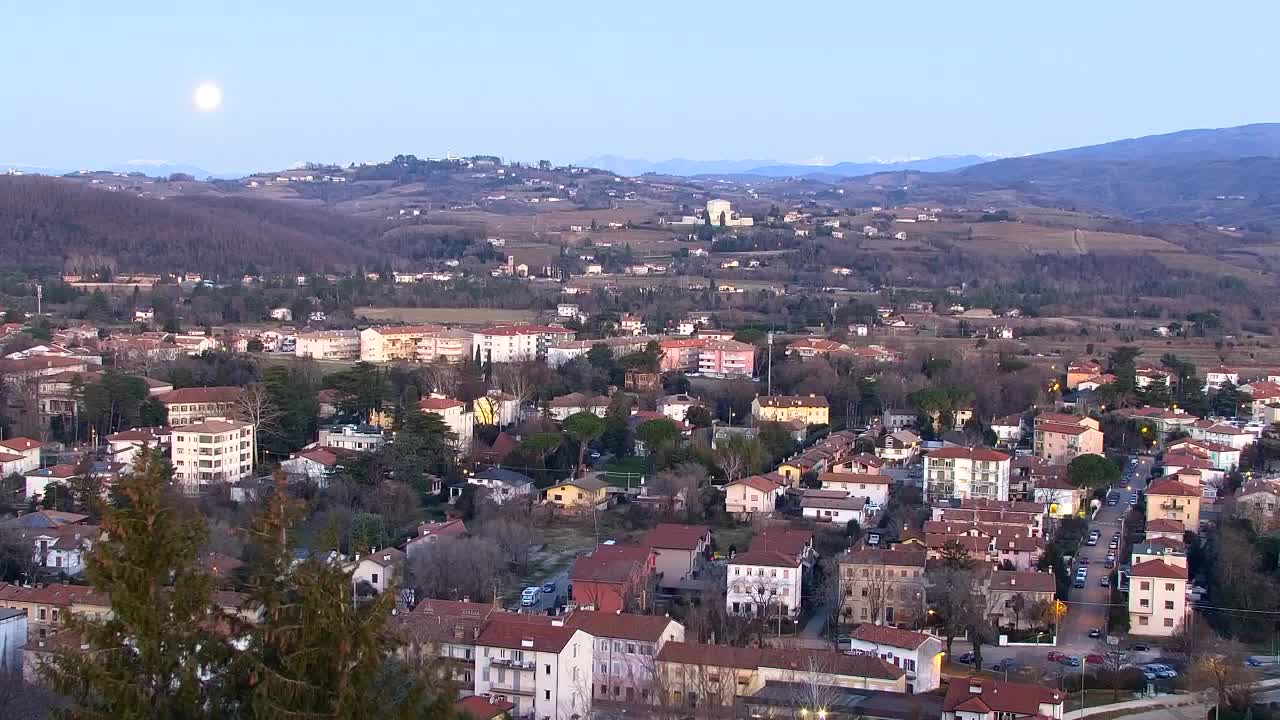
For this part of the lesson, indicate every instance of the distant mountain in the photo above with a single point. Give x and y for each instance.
(770, 168)
(150, 168)
(1258, 140)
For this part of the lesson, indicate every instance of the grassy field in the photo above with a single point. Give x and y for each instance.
(445, 316)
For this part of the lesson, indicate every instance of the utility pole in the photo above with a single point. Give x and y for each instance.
(769, 337)
(39, 299)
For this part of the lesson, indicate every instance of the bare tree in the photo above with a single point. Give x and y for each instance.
(514, 536)
(519, 380)
(454, 568)
(686, 481)
(1220, 668)
(254, 406)
(738, 456)
(396, 502)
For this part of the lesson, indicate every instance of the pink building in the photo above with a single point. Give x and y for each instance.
(680, 354)
(727, 357)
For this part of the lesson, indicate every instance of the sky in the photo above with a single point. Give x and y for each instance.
(90, 84)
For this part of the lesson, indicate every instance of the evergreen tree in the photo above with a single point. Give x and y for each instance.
(318, 652)
(157, 655)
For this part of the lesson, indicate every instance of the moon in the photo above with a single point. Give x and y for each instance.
(208, 97)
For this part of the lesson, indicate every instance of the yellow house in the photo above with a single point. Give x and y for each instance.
(811, 409)
(1170, 499)
(580, 494)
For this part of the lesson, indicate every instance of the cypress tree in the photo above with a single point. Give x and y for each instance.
(160, 654)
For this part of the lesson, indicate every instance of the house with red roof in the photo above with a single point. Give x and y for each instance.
(430, 532)
(21, 455)
(918, 654)
(477, 707)
(625, 645)
(315, 464)
(752, 495)
(1169, 498)
(679, 551)
(1222, 457)
(1158, 597)
(981, 698)
(1061, 438)
(613, 578)
(1221, 433)
(542, 665)
(764, 583)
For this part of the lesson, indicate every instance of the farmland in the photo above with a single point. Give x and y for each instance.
(444, 316)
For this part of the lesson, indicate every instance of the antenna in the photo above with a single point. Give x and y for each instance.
(769, 337)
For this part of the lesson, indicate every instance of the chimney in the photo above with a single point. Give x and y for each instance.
(1013, 580)
(526, 643)
(975, 688)
(558, 623)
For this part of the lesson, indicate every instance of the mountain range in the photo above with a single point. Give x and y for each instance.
(632, 167)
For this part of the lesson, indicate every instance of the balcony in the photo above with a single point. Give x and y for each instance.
(526, 665)
(511, 685)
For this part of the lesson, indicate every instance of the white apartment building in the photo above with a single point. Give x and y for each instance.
(764, 583)
(518, 343)
(185, 406)
(447, 345)
(543, 668)
(351, 437)
(328, 345)
(918, 654)
(967, 473)
(25, 454)
(455, 414)
(215, 451)
(1158, 596)
(625, 648)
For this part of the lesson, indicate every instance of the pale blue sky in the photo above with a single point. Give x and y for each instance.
(791, 81)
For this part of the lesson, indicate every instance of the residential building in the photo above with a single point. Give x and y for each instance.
(680, 354)
(212, 453)
(328, 345)
(1215, 378)
(764, 584)
(47, 605)
(378, 570)
(1222, 457)
(59, 542)
(833, 506)
(22, 455)
(1008, 429)
(1003, 589)
(497, 408)
(543, 668)
(1259, 501)
(918, 654)
(502, 484)
(810, 409)
(314, 464)
(721, 214)
(455, 415)
(713, 678)
(1062, 438)
(894, 420)
(751, 495)
(127, 444)
(1062, 499)
(726, 358)
(677, 407)
(679, 550)
(1157, 597)
(982, 698)
(1221, 434)
(446, 631)
(185, 406)
(882, 586)
(873, 487)
(452, 346)
(430, 532)
(392, 344)
(578, 495)
(1168, 498)
(613, 578)
(357, 438)
(623, 666)
(1081, 370)
(899, 447)
(562, 352)
(515, 343)
(958, 472)
(562, 407)
(37, 480)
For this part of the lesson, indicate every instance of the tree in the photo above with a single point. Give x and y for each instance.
(776, 441)
(738, 456)
(658, 434)
(1227, 399)
(156, 655)
(698, 417)
(583, 428)
(254, 405)
(951, 600)
(956, 557)
(1090, 472)
(318, 652)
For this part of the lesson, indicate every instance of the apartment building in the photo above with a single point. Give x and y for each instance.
(748, 496)
(680, 354)
(518, 343)
(1003, 586)
(918, 654)
(213, 452)
(764, 583)
(872, 487)
(1062, 438)
(1158, 596)
(455, 415)
(328, 345)
(191, 405)
(809, 409)
(958, 472)
(445, 631)
(23, 455)
(543, 668)
(391, 344)
(625, 647)
(1168, 498)
(882, 586)
(446, 345)
(727, 358)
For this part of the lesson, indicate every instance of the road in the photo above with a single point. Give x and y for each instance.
(546, 600)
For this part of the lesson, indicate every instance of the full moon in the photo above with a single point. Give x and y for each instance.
(208, 97)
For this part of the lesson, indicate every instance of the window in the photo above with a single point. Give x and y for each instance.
(548, 670)
(1144, 603)
(1142, 620)
(374, 578)
(1168, 622)
(40, 613)
(1168, 604)
(546, 694)
(1168, 587)
(864, 613)
(1145, 585)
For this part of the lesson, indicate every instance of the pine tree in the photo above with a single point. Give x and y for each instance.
(157, 655)
(318, 653)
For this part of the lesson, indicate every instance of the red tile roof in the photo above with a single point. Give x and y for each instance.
(196, 395)
(959, 453)
(998, 696)
(867, 478)
(786, 401)
(1061, 428)
(481, 708)
(610, 564)
(673, 536)
(59, 594)
(759, 482)
(1158, 569)
(785, 540)
(1170, 487)
(21, 444)
(625, 626)
(513, 634)
(431, 404)
(897, 558)
(1165, 525)
(765, 558)
(1020, 581)
(830, 662)
(891, 636)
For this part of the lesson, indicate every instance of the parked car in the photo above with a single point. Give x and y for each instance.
(1078, 584)
(1106, 579)
(1095, 633)
(966, 658)
(1093, 659)
(548, 587)
(1140, 647)
(1070, 661)
(1055, 656)
(530, 596)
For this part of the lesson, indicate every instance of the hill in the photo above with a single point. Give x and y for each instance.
(681, 167)
(52, 221)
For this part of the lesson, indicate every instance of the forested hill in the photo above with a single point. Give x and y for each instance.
(44, 220)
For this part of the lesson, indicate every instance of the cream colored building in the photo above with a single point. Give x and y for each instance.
(810, 409)
(391, 344)
(751, 495)
(1168, 498)
(518, 343)
(882, 586)
(328, 345)
(448, 345)
(720, 213)
(1062, 438)
(966, 473)
(191, 405)
(211, 453)
(455, 415)
(1158, 596)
